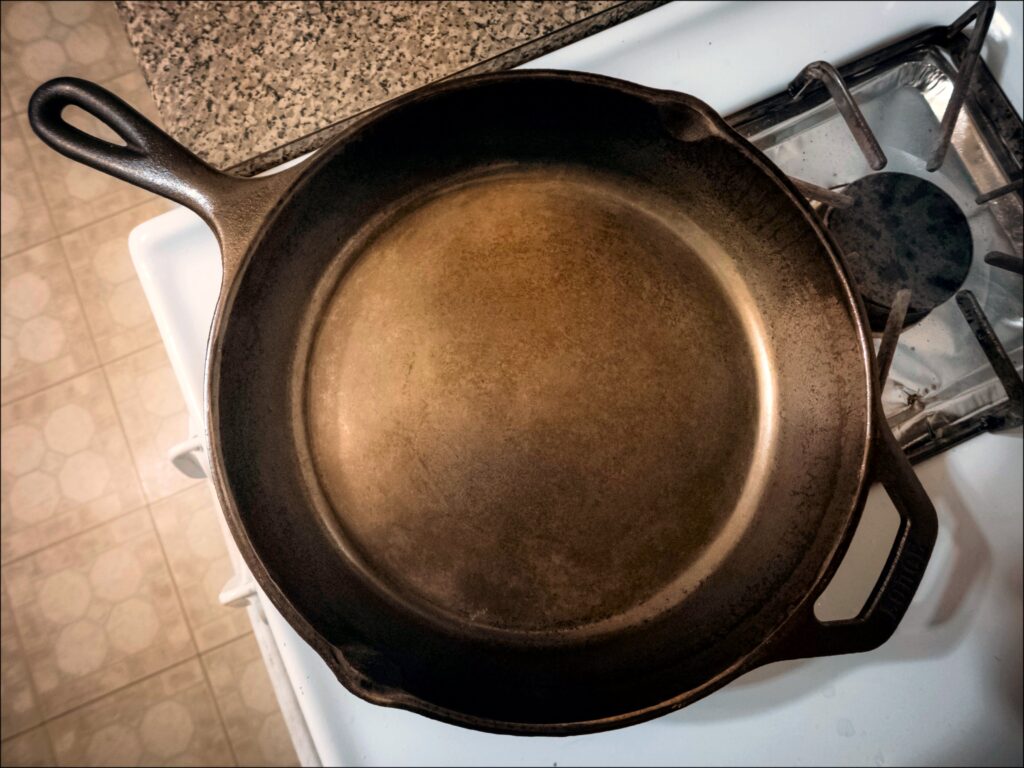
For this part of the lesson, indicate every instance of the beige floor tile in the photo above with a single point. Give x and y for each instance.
(29, 748)
(75, 194)
(247, 702)
(97, 612)
(119, 316)
(41, 40)
(24, 220)
(18, 709)
(191, 535)
(154, 415)
(43, 337)
(66, 465)
(169, 719)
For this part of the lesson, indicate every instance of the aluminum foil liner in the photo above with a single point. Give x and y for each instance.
(940, 375)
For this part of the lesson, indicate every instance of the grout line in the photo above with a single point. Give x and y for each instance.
(174, 583)
(104, 81)
(152, 522)
(83, 372)
(40, 726)
(170, 571)
(78, 297)
(31, 682)
(81, 304)
(216, 704)
(218, 646)
(119, 358)
(197, 657)
(191, 634)
(50, 386)
(100, 220)
(118, 689)
(191, 629)
(85, 316)
(35, 175)
(65, 539)
(170, 575)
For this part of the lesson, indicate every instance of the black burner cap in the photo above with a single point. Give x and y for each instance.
(902, 232)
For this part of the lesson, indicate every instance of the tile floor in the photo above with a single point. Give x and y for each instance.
(115, 650)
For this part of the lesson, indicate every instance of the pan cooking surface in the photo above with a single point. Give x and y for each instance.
(508, 404)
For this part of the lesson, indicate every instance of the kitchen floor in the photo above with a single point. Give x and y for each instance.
(115, 649)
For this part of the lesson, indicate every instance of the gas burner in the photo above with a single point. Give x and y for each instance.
(902, 232)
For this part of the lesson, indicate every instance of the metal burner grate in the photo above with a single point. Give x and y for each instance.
(928, 109)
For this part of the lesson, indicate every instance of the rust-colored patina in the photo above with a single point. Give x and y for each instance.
(538, 402)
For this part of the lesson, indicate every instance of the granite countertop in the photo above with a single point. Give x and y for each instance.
(247, 85)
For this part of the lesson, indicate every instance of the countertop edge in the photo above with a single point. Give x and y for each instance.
(506, 60)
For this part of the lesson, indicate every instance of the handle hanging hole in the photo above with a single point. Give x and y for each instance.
(853, 582)
(75, 116)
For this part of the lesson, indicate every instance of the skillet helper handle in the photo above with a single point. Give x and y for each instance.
(150, 158)
(905, 566)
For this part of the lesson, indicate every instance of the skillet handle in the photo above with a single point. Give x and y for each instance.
(905, 566)
(233, 206)
(151, 159)
(900, 578)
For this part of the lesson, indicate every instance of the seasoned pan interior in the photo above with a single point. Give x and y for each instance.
(508, 397)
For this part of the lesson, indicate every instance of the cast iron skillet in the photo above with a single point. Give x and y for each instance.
(538, 402)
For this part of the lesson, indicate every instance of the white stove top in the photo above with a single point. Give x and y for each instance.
(945, 689)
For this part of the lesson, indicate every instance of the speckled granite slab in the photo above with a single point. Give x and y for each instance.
(247, 85)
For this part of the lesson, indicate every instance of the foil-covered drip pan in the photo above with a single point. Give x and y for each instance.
(941, 388)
